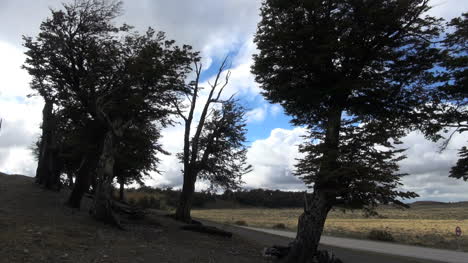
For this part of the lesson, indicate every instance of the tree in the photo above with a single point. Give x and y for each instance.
(216, 152)
(354, 72)
(112, 81)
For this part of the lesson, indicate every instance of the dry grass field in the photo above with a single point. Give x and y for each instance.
(424, 224)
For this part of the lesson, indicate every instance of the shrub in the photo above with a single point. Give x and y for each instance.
(240, 223)
(380, 235)
(279, 226)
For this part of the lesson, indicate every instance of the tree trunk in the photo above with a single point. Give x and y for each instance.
(82, 182)
(70, 181)
(54, 167)
(309, 230)
(311, 222)
(186, 198)
(41, 171)
(121, 190)
(102, 209)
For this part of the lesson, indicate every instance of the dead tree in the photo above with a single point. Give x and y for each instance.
(199, 151)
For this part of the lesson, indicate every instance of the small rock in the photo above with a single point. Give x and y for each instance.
(26, 251)
(64, 255)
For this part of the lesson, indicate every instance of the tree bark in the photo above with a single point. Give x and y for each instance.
(54, 167)
(309, 229)
(41, 171)
(186, 197)
(311, 222)
(102, 209)
(121, 190)
(49, 167)
(82, 182)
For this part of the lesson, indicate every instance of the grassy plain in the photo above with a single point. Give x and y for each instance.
(425, 224)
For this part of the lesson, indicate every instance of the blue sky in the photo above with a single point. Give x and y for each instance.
(215, 28)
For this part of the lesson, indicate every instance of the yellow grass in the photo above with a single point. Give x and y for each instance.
(425, 226)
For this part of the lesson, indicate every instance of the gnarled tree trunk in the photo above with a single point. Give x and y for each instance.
(311, 222)
(102, 209)
(121, 190)
(41, 171)
(186, 198)
(48, 167)
(82, 182)
(309, 229)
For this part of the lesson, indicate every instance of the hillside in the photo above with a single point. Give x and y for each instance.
(35, 226)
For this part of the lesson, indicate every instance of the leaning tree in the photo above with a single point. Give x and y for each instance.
(118, 80)
(353, 72)
(216, 152)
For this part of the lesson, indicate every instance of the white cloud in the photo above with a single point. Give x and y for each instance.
(21, 116)
(275, 110)
(273, 160)
(448, 9)
(428, 168)
(257, 114)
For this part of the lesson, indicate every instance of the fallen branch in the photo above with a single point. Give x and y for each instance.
(207, 229)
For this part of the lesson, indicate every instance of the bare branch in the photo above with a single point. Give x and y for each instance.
(446, 142)
(228, 75)
(179, 111)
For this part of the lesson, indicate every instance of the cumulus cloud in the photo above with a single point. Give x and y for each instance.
(428, 168)
(274, 158)
(20, 116)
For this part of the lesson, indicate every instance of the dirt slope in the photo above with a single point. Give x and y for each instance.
(35, 226)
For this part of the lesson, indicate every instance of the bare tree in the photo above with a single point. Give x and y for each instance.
(219, 137)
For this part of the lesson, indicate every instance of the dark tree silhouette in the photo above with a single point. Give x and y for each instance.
(354, 72)
(113, 82)
(216, 151)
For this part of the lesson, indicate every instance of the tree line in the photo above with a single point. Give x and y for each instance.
(108, 92)
(167, 198)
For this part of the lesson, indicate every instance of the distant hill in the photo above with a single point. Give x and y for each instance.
(439, 204)
(2, 174)
(427, 203)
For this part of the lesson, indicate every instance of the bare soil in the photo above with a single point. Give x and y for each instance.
(35, 226)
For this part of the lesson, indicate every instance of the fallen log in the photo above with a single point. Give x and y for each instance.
(207, 229)
(133, 212)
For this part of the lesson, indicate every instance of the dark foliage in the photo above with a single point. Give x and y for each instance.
(111, 88)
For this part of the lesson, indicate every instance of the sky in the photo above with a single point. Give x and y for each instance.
(215, 28)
